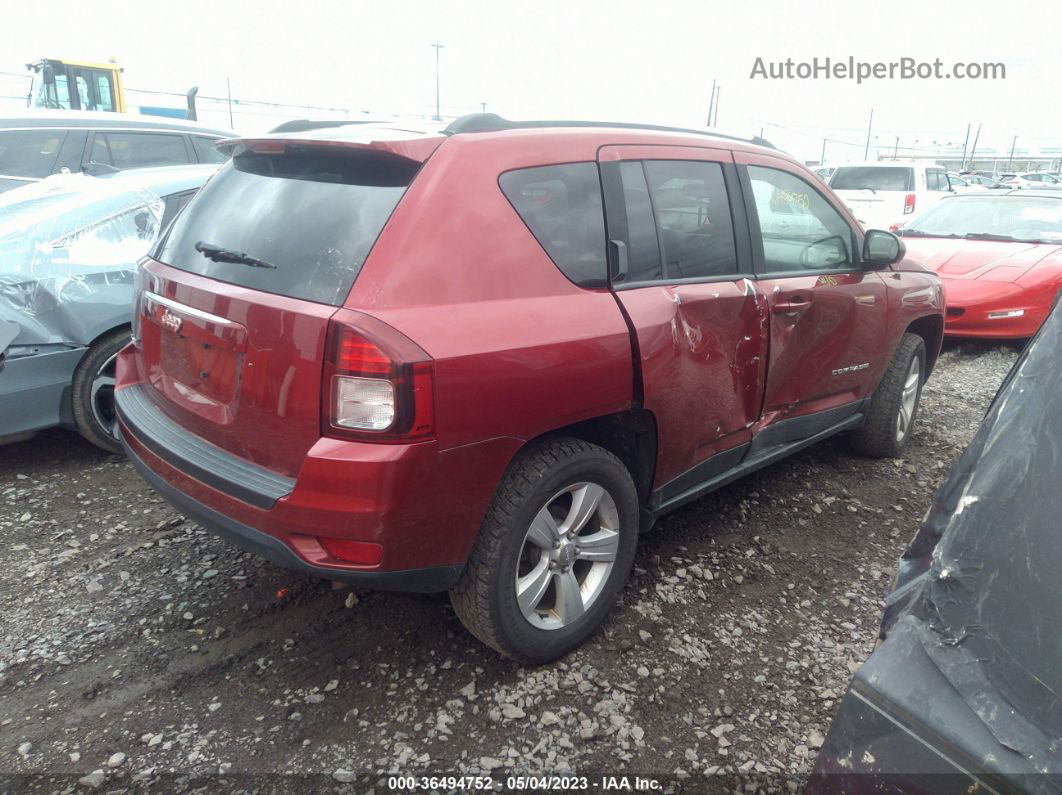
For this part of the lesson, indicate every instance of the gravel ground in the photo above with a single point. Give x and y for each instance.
(135, 649)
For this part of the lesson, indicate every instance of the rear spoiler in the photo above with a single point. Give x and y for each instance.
(418, 149)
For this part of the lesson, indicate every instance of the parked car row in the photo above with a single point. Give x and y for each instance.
(297, 375)
(42, 142)
(997, 248)
(484, 359)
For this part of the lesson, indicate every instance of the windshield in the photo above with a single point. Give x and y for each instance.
(1020, 218)
(311, 214)
(873, 178)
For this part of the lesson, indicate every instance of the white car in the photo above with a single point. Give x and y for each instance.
(886, 193)
(961, 184)
(823, 172)
(1032, 179)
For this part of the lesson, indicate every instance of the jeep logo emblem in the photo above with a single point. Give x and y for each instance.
(170, 321)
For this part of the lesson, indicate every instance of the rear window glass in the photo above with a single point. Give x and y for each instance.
(313, 214)
(873, 178)
(206, 151)
(29, 153)
(138, 150)
(561, 205)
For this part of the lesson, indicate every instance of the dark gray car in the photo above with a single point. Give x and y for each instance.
(69, 245)
(36, 143)
(964, 694)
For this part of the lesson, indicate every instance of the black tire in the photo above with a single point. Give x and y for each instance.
(91, 394)
(485, 599)
(880, 436)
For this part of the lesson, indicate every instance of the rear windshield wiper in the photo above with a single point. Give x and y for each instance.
(219, 254)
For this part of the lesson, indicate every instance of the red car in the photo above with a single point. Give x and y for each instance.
(483, 360)
(999, 256)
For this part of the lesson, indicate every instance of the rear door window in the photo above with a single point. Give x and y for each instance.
(139, 150)
(693, 218)
(561, 205)
(29, 153)
(311, 213)
(873, 178)
(937, 179)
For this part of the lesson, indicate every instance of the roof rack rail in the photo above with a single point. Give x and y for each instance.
(301, 125)
(492, 122)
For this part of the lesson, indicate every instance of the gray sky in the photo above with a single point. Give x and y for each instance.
(637, 61)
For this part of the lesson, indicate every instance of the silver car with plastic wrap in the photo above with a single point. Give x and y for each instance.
(69, 245)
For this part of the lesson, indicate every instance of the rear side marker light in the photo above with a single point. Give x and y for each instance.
(1005, 314)
(364, 553)
(908, 204)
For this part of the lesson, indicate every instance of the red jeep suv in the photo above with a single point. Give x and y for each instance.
(482, 360)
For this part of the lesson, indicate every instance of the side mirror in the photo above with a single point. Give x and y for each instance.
(881, 249)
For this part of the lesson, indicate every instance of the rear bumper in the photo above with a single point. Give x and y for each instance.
(34, 391)
(436, 578)
(420, 506)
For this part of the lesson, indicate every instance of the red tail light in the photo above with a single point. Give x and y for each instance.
(909, 204)
(377, 385)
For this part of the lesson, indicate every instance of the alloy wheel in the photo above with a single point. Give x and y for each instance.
(101, 397)
(568, 553)
(908, 399)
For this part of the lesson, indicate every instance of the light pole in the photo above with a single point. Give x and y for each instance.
(973, 149)
(866, 151)
(1010, 160)
(437, 47)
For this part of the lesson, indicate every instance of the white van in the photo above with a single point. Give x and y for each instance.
(886, 193)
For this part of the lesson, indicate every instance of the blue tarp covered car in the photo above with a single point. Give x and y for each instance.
(69, 245)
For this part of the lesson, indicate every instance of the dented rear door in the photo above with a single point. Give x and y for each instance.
(681, 273)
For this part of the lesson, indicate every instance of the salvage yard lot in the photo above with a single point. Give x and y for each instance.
(137, 646)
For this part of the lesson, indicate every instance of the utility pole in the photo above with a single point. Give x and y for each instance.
(962, 165)
(822, 158)
(438, 116)
(228, 84)
(711, 104)
(482, 107)
(973, 150)
(866, 151)
(1010, 161)
(896, 149)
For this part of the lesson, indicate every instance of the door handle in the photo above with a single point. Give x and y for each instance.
(620, 260)
(798, 303)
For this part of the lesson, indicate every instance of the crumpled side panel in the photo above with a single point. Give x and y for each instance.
(68, 249)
